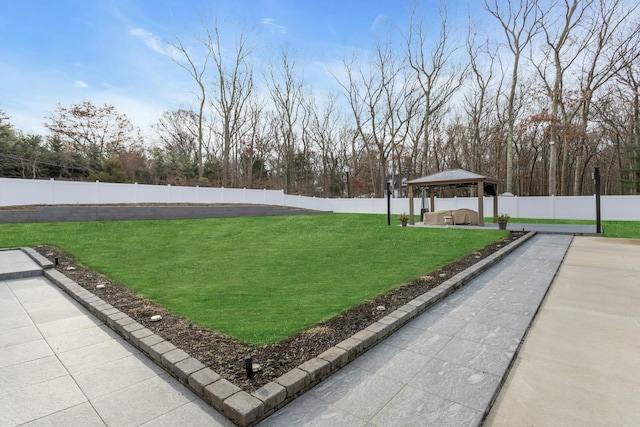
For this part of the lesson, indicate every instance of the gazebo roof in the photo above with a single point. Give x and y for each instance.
(450, 177)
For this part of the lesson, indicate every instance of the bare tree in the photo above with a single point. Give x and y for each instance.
(196, 71)
(324, 131)
(233, 87)
(437, 74)
(519, 23)
(612, 46)
(254, 147)
(377, 93)
(477, 100)
(562, 49)
(285, 89)
(177, 131)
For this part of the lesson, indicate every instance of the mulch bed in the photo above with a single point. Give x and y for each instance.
(226, 355)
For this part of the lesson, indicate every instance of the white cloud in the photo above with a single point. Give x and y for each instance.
(272, 26)
(378, 23)
(152, 41)
(80, 83)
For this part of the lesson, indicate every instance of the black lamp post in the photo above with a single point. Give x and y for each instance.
(388, 203)
(346, 172)
(596, 178)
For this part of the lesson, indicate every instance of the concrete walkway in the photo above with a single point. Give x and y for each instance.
(580, 364)
(60, 366)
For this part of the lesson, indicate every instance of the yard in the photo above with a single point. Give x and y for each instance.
(259, 280)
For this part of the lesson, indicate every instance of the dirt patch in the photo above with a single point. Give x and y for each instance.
(226, 355)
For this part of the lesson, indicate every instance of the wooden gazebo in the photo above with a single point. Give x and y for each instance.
(455, 177)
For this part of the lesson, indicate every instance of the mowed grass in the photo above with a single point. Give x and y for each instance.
(259, 280)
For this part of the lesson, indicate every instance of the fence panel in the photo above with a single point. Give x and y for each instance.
(16, 192)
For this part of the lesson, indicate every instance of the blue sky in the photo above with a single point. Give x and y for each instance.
(67, 51)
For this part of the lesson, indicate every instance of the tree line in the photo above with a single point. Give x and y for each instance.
(551, 92)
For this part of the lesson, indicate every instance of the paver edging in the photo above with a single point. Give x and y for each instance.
(246, 409)
(39, 259)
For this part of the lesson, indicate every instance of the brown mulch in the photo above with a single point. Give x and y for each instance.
(226, 355)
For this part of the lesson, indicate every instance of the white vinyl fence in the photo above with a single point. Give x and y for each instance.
(17, 192)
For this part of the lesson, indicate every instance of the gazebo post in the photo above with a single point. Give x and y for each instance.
(432, 199)
(495, 205)
(412, 220)
(480, 203)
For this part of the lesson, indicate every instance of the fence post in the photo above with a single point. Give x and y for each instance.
(53, 191)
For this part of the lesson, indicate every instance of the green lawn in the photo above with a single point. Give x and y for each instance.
(257, 279)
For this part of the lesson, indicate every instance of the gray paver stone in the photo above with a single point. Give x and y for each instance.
(392, 322)
(295, 381)
(352, 345)
(368, 338)
(100, 310)
(149, 341)
(401, 315)
(121, 323)
(138, 334)
(109, 311)
(410, 309)
(217, 392)
(337, 357)
(427, 297)
(380, 329)
(104, 306)
(243, 408)
(84, 295)
(156, 351)
(35, 255)
(420, 305)
(170, 358)
(112, 318)
(55, 276)
(70, 283)
(129, 328)
(73, 289)
(202, 378)
(93, 306)
(317, 369)
(91, 299)
(81, 294)
(272, 395)
(448, 286)
(100, 315)
(438, 295)
(186, 367)
(475, 270)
